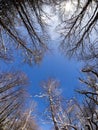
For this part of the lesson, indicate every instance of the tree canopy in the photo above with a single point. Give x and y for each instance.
(23, 34)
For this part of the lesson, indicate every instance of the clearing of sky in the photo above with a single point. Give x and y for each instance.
(41, 51)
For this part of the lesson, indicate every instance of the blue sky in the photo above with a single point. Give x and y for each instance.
(54, 65)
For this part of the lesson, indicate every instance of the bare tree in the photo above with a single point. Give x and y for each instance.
(79, 28)
(13, 100)
(26, 120)
(49, 87)
(70, 114)
(60, 111)
(21, 28)
(90, 94)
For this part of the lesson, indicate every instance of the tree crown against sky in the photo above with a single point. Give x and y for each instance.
(16, 106)
(25, 14)
(76, 29)
(69, 115)
(32, 45)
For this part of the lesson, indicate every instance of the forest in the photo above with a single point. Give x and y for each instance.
(26, 40)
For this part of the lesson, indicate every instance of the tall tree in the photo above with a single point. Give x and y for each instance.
(49, 87)
(90, 94)
(21, 28)
(61, 112)
(70, 114)
(13, 100)
(79, 28)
